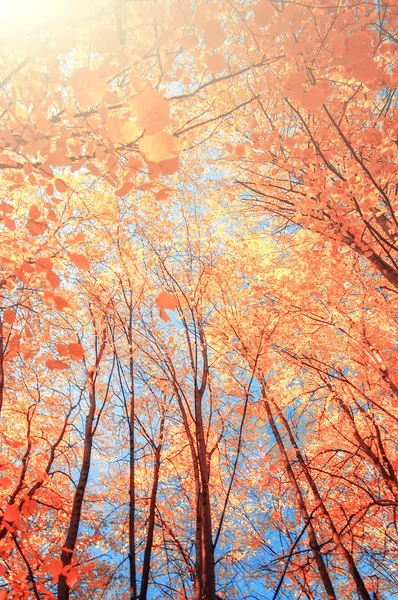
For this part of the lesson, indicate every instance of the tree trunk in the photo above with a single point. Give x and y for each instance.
(360, 585)
(151, 518)
(314, 545)
(209, 585)
(132, 561)
(1, 364)
(73, 529)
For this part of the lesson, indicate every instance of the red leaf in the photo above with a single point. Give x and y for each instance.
(28, 507)
(54, 567)
(11, 513)
(5, 482)
(72, 577)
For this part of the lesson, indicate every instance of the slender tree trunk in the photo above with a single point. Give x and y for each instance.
(209, 586)
(198, 584)
(388, 475)
(204, 584)
(198, 580)
(151, 517)
(380, 265)
(132, 560)
(1, 365)
(314, 545)
(73, 529)
(347, 556)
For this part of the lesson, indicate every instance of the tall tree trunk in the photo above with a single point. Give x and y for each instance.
(1, 364)
(387, 474)
(151, 517)
(209, 585)
(73, 529)
(198, 580)
(347, 556)
(314, 545)
(132, 560)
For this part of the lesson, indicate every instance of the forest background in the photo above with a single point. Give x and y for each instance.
(198, 308)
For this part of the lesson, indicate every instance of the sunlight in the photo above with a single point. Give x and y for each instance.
(19, 17)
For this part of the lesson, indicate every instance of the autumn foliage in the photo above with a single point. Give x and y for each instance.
(198, 300)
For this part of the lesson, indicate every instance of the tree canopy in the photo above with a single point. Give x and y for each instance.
(198, 300)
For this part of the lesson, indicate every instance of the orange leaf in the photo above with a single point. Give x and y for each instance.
(62, 349)
(15, 341)
(168, 167)
(213, 34)
(162, 194)
(129, 131)
(216, 62)
(134, 162)
(263, 12)
(52, 216)
(314, 98)
(53, 279)
(126, 187)
(188, 41)
(2, 572)
(36, 227)
(43, 265)
(56, 365)
(159, 147)
(13, 443)
(80, 261)
(6, 208)
(9, 316)
(365, 70)
(166, 300)
(61, 186)
(60, 302)
(34, 212)
(357, 46)
(151, 110)
(9, 223)
(76, 351)
(104, 40)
